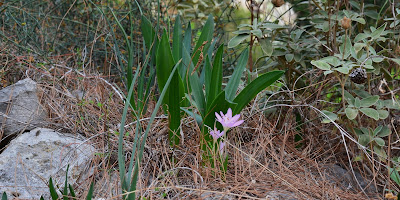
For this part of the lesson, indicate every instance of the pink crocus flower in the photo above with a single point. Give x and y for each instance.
(221, 147)
(216, 133)
(227, 120)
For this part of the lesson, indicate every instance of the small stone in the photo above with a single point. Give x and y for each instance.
(277, 195)
(211, 196)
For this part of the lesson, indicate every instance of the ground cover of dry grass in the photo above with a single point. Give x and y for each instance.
(264, 158)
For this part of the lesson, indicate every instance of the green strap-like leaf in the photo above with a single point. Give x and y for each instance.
(4, 196)
(233, 82)
(147, 31)
(196, 87)
(53, 193)
(206, 35)
(187, 40)
(71, 190)
(144, 136)
(209, 55)
(256, 86)
(174, 117)
(164, 63)
(216, 77)
(207, 75)
(90, 193)
(65, 191)
(175, 92)
(177, 39)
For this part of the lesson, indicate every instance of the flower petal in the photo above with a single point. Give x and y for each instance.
(218, 117)
(221, 134)
(229, 113)
(229, 124)
(224, 124)
(215, 134)
(222, 114)
(212, 134)
(237, 123)
(235, 118)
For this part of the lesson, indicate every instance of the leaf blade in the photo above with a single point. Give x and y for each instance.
(53, 192)
(351, 113)
(233, 82)
(369, 101)
(216, 77)
(237, 40)
(320, 64)
(174, 116)
(90, 193)
(256, 86)
(147, 31)
(206, 35)
(370, 112)
(177, 39)
(164, 63)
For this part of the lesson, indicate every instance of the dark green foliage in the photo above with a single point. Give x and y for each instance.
(4, 196)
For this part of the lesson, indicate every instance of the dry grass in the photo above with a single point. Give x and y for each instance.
(264, 159)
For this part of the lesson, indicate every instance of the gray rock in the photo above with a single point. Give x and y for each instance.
(28, 162)
(211, 195)
(337, 174)
(278, 195)
(20, 108)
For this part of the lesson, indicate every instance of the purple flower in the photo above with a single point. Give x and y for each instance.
(216, 133)
(221, 147)
(227, 120)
